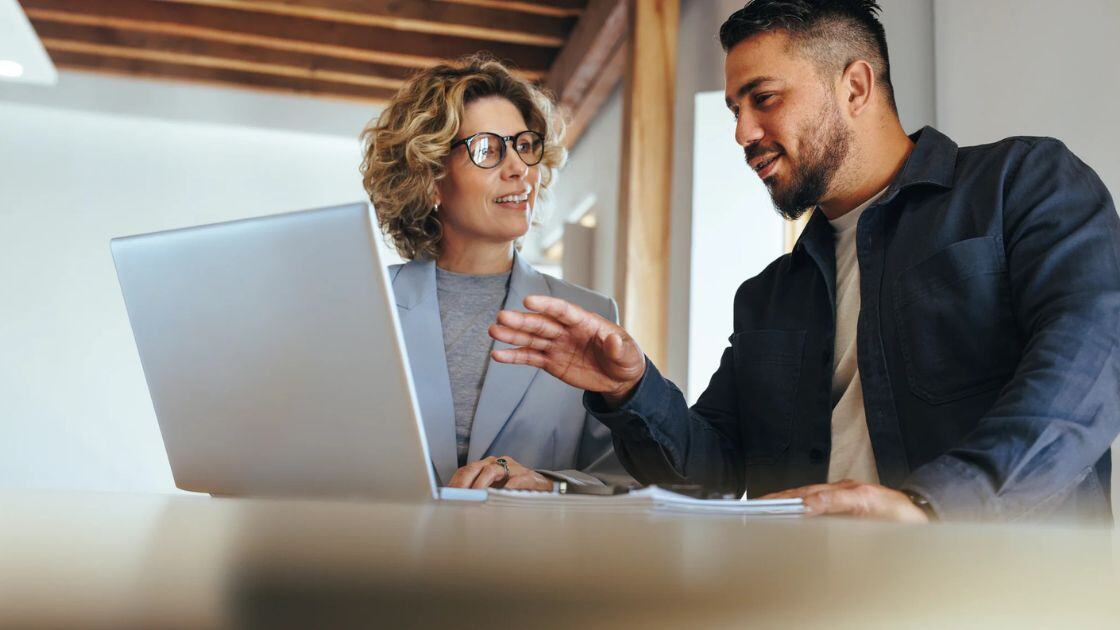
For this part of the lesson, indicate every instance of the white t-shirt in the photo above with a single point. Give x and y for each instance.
(852, 456)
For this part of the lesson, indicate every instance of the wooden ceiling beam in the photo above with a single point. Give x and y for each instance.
(555, 8)
(349, 41)
(164, 57)
(581, 114)
(201, 53)
(590, 64)
(592, 42)
(421, 16)
(220, 77)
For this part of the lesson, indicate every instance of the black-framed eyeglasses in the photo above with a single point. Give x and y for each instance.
(487, 149)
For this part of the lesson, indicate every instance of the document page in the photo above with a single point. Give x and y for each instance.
(648, 499)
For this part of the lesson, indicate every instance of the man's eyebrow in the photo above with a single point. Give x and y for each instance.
(748, 87)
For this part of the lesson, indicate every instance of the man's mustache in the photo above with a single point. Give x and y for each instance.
(755, 150)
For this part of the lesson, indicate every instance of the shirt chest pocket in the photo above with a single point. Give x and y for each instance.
(767, 370)
(956, 328)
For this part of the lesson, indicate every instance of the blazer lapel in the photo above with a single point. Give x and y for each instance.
(418, 308)
(505, 384)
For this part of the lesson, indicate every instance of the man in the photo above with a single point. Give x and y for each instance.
(941, 343)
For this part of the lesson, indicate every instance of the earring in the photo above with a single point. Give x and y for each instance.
(435, 208)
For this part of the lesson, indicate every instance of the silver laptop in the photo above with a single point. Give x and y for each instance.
(274, 358)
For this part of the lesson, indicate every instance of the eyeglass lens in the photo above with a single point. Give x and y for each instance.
(488, 149)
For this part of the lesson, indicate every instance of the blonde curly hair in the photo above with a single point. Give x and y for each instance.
(404, 150)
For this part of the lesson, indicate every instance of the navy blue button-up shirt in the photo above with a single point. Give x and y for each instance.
(988, 346)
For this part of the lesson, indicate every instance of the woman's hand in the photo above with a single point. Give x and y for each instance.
(488, 473)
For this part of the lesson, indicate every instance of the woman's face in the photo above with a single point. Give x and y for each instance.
(470, 210)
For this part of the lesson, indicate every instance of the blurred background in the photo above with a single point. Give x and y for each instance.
(120, 117)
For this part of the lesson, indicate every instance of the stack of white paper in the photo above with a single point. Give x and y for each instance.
(647, 499)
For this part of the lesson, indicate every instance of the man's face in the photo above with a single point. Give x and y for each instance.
(787, 121)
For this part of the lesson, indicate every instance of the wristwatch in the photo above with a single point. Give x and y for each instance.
(922, 503)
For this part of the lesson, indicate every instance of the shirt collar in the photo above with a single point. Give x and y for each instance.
(848, 221)
(933, 161)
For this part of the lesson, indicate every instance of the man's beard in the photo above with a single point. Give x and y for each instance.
(826, 145)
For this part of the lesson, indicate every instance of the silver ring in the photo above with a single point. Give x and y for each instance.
(501, 461)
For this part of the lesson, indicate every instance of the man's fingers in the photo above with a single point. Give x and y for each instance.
(839, 501)
(532, 323)
(564, 312)
(856, 499)
(614, 346)
(866, 501)
(518, 338)
(520, 356)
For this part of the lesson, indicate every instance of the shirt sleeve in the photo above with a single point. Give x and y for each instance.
(660, 440)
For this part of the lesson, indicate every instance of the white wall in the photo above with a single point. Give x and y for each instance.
(74, 408)
(909, 26)
(1031, 67)
(190, 102)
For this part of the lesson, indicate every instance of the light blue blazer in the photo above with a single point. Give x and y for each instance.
(523, 412)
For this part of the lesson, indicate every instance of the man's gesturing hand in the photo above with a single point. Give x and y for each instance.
(580, 348)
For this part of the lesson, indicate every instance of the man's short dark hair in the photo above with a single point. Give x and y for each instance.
(833, 33)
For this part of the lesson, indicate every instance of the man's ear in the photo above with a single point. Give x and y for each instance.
(858, 84)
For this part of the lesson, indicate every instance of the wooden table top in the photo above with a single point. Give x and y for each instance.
(117, 560)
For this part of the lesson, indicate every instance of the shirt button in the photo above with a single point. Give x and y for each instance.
(816, 455)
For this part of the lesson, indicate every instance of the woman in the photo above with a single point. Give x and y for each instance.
(455, 166)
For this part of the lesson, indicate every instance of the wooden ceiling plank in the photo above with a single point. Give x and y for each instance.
(76, 38)
(422, 16)
(214, 35)
(220, 77)
(43, 15)
(373, 43)
(589, 50)
(557, 8)
(201, 61)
